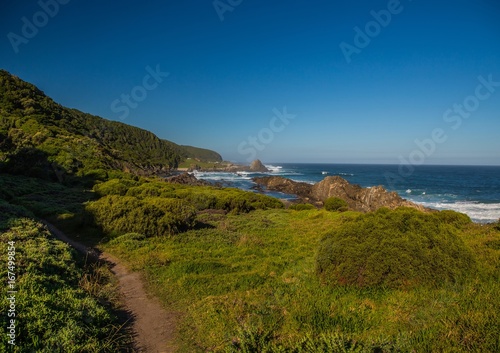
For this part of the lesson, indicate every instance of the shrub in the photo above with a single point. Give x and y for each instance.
(151, 216)
(113, 187)
(336, 204)
(397, 248)
(202, 200)
(97, 174)
(457, 219)
(11, 212)
(302, 207)
(237, 201)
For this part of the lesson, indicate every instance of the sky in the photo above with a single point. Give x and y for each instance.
(410, 81)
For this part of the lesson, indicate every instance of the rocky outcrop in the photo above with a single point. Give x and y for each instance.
(187, 179)
(287, 186)
(358, 198)
(257, 166)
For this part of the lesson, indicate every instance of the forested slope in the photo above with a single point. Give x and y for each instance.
(41, 138)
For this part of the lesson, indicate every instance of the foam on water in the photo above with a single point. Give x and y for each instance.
(478, 212)
(274, 168)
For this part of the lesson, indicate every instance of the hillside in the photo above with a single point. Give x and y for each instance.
(202, 154)
(41, 138)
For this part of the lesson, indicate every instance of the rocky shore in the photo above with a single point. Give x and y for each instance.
(357, 197)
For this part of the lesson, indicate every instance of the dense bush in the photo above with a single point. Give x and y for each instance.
(9, 212)
(150, 216)
(336, 204)
(397, 248)
(456, 219)
(200, 197)
(302, 207)
(114, 187)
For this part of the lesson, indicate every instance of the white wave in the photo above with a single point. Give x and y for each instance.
(478, 212)
(215, 176)
(345, 174)
(307, 181)
(274, 168)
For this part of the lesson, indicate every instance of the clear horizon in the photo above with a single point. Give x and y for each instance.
(379, 82)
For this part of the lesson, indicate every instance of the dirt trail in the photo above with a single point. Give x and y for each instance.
(152, 325)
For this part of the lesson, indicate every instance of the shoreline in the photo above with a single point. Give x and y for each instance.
(480, 212)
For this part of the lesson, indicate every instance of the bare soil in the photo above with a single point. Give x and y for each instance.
(153, 327)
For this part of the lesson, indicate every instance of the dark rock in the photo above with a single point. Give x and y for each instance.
(187, 179)
(287, 186)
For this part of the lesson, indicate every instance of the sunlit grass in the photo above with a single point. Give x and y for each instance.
(246, 281)
(250, 282)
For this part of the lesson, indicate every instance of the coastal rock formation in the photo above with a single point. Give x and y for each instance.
(187, 179)
(287, 186)
(358, 198)
(257, 166)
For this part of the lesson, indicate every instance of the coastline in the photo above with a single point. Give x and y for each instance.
(433, 187)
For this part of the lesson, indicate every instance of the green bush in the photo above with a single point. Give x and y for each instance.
(397, 248)
(150, 216)
(336, 204)
(114, 187)
(10, 212)
(302, 207)
(457, 219)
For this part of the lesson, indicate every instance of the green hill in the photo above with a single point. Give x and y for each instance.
(41, 138)
(202, 154)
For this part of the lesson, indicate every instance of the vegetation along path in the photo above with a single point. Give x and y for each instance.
(152, 325)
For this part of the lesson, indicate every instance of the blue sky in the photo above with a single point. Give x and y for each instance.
(232, 64)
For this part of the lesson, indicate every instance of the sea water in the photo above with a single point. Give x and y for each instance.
(473, 190)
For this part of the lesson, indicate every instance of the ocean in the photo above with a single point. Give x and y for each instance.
(473, 190)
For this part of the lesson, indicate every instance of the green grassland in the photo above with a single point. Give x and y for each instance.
(251, 276)
(249, 284)
(62, 304)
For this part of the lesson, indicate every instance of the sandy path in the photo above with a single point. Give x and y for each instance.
(153, 326)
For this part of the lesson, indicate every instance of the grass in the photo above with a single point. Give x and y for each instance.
(248, 284)
(60, 307)
(247, 281)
